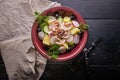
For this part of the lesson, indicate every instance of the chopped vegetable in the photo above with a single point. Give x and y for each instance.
(51, 19)
(66, 19)
(46, 40)
(41, 35)
(45, 29)
(54, 47)
(75, 30)
(76, 39)
(75, 23)
(59, 33)
(60, 19)
(54, 56)
(65, 45)
(53, 39)
(70, 38)
(53, 51)
(62, 49)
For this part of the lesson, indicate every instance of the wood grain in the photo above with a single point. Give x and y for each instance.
(107, 51)
(94, 8)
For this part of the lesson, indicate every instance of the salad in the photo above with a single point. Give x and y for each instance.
(59, 34)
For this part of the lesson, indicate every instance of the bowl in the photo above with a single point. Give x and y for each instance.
(64, 11)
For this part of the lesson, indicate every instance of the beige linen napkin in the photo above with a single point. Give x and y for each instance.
(21, 60)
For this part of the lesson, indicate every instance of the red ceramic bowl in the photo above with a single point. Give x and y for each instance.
(64, 11)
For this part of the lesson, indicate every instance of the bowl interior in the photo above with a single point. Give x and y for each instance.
(63, 11)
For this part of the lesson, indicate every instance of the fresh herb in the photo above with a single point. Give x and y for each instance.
(36, 14)
(83, 27)
(54, 56)
(41, 19)
(54, 47)
(53, 51)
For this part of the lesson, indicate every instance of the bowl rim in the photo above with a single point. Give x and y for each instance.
(67, 56)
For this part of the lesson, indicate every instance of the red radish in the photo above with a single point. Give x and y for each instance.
(75, 23)
(62, 49)
(53, 39)
(70, 38)
(41, 35)
(76, 39)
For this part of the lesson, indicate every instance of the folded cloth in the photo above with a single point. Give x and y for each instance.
(21, 60)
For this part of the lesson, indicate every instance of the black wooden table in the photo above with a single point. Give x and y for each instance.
(103, 16)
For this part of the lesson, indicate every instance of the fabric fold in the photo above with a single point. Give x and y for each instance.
(21, 60)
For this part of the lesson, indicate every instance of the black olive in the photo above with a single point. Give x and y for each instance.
(80, 33)
(56, 14)
(72, 17)
(38, 29)
(70, 48)
(46, 47)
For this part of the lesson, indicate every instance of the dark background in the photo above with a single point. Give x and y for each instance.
(103, 16)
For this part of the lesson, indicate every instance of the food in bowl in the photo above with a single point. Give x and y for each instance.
(59, 33)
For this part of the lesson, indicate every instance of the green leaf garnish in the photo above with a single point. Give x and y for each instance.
(83, 27)
(41, 19)
(53, 51)
(54, 56)
(54, 47)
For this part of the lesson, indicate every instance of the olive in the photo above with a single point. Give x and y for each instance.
(56, 14)
(80, 33)
(46, 47)
(70, 48)
(72, 17)
(38, 29)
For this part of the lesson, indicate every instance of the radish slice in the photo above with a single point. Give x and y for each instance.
(41, 35)
(70, 38)
(53, 39)
(62, 49)
(75, 23)
(76, 39)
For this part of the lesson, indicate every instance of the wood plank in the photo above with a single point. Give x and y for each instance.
(62, 71)
(102, 72)
(107, 51)
(94, 8)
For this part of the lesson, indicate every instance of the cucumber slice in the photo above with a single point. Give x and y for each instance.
(60, 19)
(45, 29)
